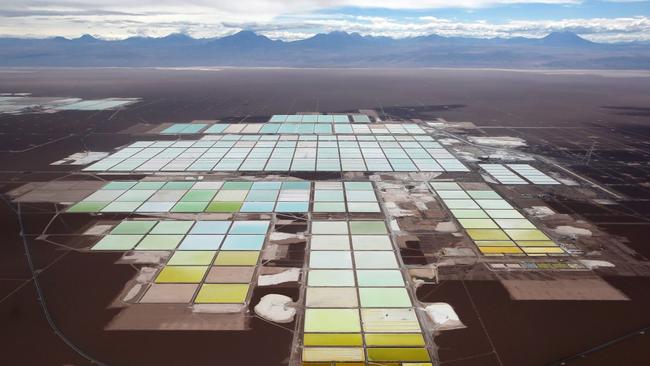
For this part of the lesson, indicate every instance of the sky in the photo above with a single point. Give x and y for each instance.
(596, 20)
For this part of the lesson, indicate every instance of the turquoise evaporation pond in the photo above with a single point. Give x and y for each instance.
(249, 227)
(257, 207)
(201, 242)
(243, 242)
(353, 154)
(292, 207)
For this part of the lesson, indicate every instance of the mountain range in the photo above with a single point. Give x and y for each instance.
(335, 49)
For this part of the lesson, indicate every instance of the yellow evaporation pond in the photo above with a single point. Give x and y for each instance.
(487, 234)
(495, 243)
(333, 339)
(235, 258)
(390, 320)
(222, 293)
(191, 257)
(398, 354)
(414, 339)
(478, 224)
(537, 243)
(332, 320)
(181, 274)
(500, 250)
(310, 354)
(527, 234)
(545, 250)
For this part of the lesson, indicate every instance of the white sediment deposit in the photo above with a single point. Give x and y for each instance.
(443, 316)
(593, 263)
(290, 275)
(565, 181)
(448, 141)
(144, 257)
(539, 211)
(279, 236)
(505, 141)
(133, 292)
(572, 231)
(276, 308)
(395, 211)
(82, 158)
(145, 275)
(508, 155)
(446, 227)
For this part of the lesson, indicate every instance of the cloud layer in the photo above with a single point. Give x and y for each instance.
(290, 20)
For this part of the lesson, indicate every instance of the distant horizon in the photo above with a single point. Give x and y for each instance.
(602, 21)
(622, 73)
(557, 50)
(97, 37)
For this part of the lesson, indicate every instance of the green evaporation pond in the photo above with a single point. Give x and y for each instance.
(159, 242)
(329, 195)
(358, 185)
(329, 227)
(378, 278)
(87, 207)
(329, 207)
(121, 207)
(119, 185)
(133, 227)
(172, 227)
(445, 186)
(340, 278)
(469, 214)
(117, 242)
(149, 185)
(368, 227)
(478, 224)
(237, 185)
(515, 224)
(504, 214)
(384, 297)
(453, 195)
(484, 194)
(223, 206)
(201, 195)
(178, 185)
(189, 207)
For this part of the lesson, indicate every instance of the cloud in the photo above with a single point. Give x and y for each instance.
(596, 29)
(270, 7)
(15, 13)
